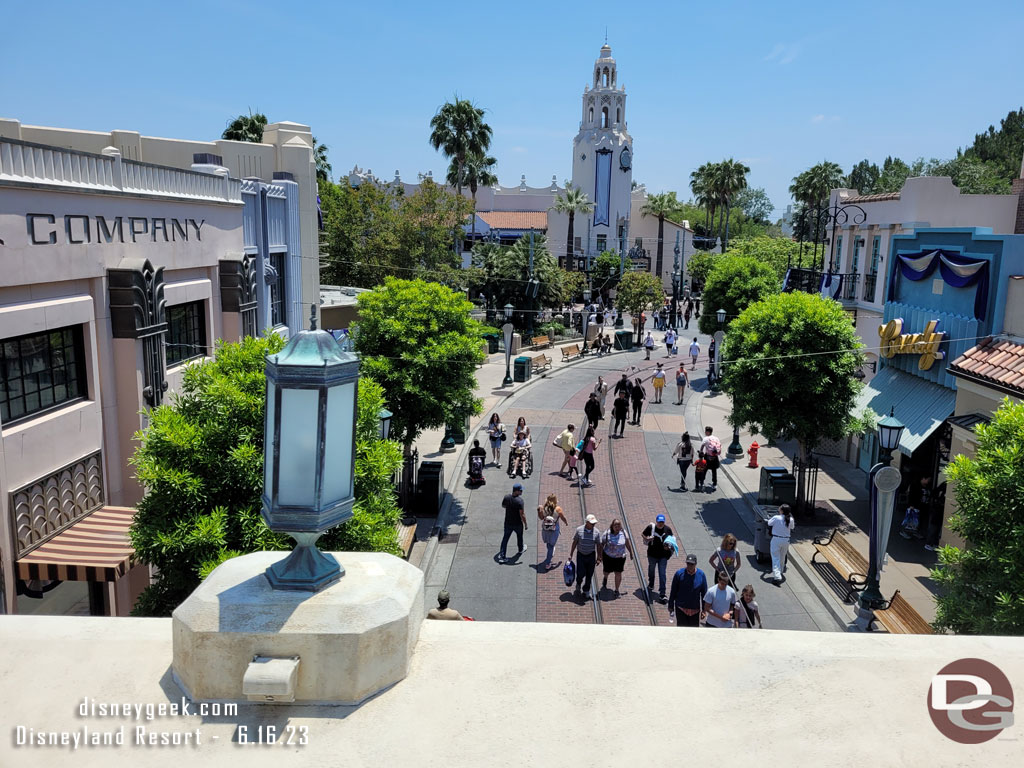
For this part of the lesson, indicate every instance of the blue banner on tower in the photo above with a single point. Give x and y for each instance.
(603, 186)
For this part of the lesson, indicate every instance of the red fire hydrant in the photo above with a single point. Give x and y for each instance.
(752, 452)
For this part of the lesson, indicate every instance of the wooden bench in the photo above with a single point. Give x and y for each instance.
(541, 341)
(406, 537)
(540, 363)
(850, 564)
(571, 351)
(899, 618)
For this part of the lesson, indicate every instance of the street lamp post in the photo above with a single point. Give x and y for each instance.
(674, 314)
(586, 321)
(716, 364)
(309, 453)
(885, 482)
(507, 330)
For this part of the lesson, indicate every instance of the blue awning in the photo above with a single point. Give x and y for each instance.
(921, 405)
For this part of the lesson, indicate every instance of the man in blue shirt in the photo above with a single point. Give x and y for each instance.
(686, 598)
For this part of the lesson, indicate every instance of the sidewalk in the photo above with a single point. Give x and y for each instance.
(842, 490)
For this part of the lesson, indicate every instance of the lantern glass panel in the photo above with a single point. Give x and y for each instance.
(268, 444)
(299, 438)
(338, 446)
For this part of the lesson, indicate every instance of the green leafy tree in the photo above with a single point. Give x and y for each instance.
(895, 172)
(660, 206)
(755, 204)
(969, 174)
(702, 186)
(323, 165)
(863, 177)
(246, 128)
(571, 285)
(201, 462)
(777, 252)
(734, 284)
(790, 361)
(477, 171)
(637, 292)
(700, 265)
(417, 339)
(574, 200)
(813, 186)
(604, 274)
(458, 130)
(1000, 149)
(728, 179)
(982, 583)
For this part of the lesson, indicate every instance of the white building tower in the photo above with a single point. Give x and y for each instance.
(602, 161)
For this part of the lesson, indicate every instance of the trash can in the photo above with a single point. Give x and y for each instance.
(762, 541)
(430, 489)
(623, 339)
(522, 369)
(765, 491)
(492, 342)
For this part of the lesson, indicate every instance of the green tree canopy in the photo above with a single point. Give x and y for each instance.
(458, 130)
(789, 368)
(863, 177)
(417, 339)
(755, 204)
(604, 274)
(501, 272)
(699, 266)
(201, 462)
(637, 292)
(983, 582)
(734, 284)
(777, 252)
(574, 200)
(246, 128)
(1000, 149)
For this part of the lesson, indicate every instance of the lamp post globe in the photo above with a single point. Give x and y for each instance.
(509, 309)
(384, 415)
(720, 314)
(890, 429)
(309, 453)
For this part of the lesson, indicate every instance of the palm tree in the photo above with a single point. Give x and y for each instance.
(458, 130)
(661, 206)
(731, 178)
(246, 128)
(573, 201)
(323, 167)
(477, 172)
(812, 188)
(700, 184)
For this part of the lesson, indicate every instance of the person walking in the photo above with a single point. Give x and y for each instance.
(683, 454)
(637, 395)
(781, 528)
(515, 520)
(681, 381)
(669, 341)
(720, 603)
(686, 601)
(711, 357)
(687, 314)
(746, 610)
(711, 450)
(648, 345)
(521, 426)
(615, 546)
(620, 410)
(551, 518)
(919, 497)
(658, 552)
(566, 440)
(726, 558)
(623, 385)
(601, 390)
(592, 410)
(658, 380)
(496, 432)
(587, 540)
(694, 353)
(590, 444)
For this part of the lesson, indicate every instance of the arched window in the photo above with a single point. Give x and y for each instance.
(590, 119)
(618, 116)
(605, 77)
(597, 77)
(604, 117)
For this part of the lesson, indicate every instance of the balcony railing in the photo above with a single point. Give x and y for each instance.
(870, 280)
(849, 288)
(809, 281)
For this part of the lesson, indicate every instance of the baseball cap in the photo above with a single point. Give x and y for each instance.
(659, 519)
(517, 487)
(591, 519)
(443, 596)
(691, 559)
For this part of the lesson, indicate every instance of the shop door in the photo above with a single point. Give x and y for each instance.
(867, 452)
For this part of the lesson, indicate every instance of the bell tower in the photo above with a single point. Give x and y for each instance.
(602, 162)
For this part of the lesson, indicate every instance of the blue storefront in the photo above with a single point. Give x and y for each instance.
(946, 289)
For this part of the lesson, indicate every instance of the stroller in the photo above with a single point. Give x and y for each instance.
(476, 471)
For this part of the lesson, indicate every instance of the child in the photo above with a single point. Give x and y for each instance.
(700, 469)
(746, 610)
(573, 458)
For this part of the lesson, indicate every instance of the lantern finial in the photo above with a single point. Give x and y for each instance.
(312, 317)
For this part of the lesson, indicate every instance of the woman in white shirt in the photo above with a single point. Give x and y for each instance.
(781, 527)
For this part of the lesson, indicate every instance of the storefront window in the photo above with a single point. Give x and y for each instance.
(277, 315)
(41, 371)
(186, 332)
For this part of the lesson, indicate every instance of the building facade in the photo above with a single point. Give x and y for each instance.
(116, 275)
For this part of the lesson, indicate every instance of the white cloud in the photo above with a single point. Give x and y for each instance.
(518, 150)
(783, 53)
(825, 118)
(776, 51)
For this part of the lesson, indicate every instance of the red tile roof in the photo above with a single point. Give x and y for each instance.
(995, 361)
(515, 219)
(875, 198)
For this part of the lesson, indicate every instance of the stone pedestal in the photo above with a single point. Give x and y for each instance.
(353, 639)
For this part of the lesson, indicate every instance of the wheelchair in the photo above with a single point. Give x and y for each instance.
(527, 463)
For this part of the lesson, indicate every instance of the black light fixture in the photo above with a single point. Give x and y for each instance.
(385, 423)
(890, 429)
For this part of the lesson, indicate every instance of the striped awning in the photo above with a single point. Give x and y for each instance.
(95, 548)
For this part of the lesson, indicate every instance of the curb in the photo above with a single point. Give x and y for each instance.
(796, 561)
(442, 521)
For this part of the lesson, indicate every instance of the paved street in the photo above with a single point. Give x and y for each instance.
(465, 559)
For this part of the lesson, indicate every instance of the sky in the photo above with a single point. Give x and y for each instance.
(778, 85)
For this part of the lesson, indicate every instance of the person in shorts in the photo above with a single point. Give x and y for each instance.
(615, 545)
(681, 380)
(658, 380)
(694, 353)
